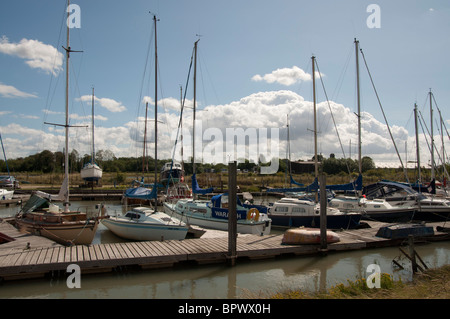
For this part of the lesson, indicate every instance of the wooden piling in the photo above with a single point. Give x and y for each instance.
(232, 212)
(323, 213)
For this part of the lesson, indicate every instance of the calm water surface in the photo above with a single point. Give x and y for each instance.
(219, 281)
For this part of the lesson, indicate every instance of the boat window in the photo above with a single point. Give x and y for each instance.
(348, 206)
(132, 215)
(281, 209)
(298, 210)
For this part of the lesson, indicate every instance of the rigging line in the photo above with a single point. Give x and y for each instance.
(440, 116)
(342, 75)
(149, 48)
(384, 115)
(200, 55)
(46, 113)
(183, 105)
(332, 116)
(429, 147)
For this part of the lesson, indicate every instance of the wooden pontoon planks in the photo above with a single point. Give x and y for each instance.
(20, 262)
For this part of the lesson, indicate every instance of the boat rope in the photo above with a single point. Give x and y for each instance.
(335, 126)
(384, 115)
(181, 114)
(332, 116)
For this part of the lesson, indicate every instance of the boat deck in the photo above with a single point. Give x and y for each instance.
(42, 256)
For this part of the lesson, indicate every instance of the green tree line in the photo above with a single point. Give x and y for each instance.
(53, 162)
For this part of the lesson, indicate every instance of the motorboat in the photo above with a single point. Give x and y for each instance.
(373, 209)
(294, 212)
(144, 223)
(251, 219)
(172, 172)
(427, 208)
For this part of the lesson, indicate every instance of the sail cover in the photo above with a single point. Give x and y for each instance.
(141, 193)
(197, 190)
(311, 187)
(353, 186)
(295, 183)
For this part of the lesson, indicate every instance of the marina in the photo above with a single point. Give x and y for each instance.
(25, 257)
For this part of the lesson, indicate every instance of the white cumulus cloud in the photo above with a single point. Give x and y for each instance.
(11, 92)
(38, 55)
(109, 104)
(285, 76)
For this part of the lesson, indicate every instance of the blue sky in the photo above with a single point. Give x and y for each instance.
(239, 40)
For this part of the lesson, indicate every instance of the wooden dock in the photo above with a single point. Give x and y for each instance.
(20, 260)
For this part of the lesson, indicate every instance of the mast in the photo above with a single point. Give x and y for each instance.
(359, 106)
(194, 108)
(289, 151)
(65, 186)
(181, 123)
(156, 104)
(195, 103)
(316, 166)
(417, 144)
(432, 138)
(144, 151)
(93, 145)
(66, 151)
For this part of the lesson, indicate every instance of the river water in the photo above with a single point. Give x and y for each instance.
(248, 279)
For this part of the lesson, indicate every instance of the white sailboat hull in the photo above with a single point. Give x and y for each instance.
(6, 194)
(244, 227)
(144, 231)
(91, 172)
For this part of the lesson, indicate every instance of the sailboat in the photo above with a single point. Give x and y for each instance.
(6, 181)
(40, 216)
(295, 212)
(145, 223)
(379, 209)
(91, 172)
(214, 213)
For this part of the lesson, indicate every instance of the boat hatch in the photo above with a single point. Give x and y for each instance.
(5, 238)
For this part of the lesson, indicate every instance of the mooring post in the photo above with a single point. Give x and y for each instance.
(232, 213)
(323, 213)
(412, 253)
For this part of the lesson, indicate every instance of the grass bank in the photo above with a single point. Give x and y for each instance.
(432, 284)
(248, 182)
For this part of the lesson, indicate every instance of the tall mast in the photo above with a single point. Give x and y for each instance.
(359, 105)
(66, 151)
(93, 145)
(419, 177)
(195, 102)
(156, 103)
(194, 108)
(316, 165)
(181, 123)
(432, 138)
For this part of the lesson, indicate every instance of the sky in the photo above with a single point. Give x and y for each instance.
(254, 76)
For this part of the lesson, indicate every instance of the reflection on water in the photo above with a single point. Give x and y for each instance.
(246, 279)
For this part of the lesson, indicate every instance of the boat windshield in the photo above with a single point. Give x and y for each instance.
(132, 215)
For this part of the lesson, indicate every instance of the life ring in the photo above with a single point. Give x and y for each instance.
(253, 214)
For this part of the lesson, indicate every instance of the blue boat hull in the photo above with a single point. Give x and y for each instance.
(345, 221)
